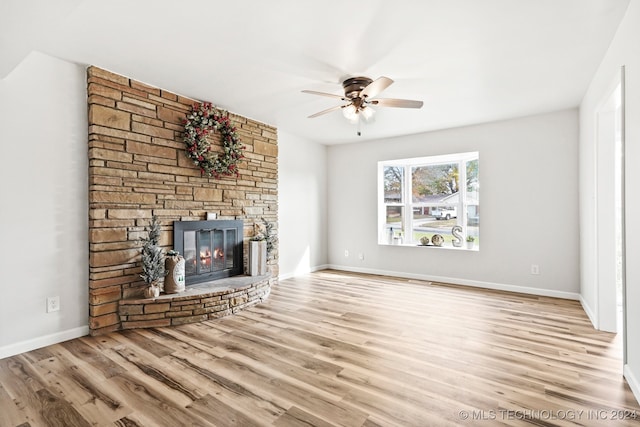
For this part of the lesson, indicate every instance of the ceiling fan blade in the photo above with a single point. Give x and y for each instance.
(398, 103)
(328, 110)
(376, 87)
(330, 95)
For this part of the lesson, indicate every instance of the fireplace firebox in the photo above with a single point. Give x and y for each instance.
(211, 249)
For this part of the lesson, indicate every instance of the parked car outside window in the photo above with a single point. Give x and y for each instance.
(445, 213)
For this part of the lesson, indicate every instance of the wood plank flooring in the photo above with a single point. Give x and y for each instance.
(336, 349)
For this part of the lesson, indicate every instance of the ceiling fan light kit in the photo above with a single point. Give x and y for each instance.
(353, 114)
(360, 93)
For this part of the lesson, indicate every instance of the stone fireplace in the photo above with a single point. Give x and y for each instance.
(138, 169)
(211, 249)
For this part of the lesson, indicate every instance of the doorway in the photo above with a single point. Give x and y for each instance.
(610, 210)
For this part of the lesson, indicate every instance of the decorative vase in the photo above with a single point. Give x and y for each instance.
(174, 264)
(153, 291)
(257, 258)
(469, 245)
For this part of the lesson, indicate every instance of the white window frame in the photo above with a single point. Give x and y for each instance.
(407, 200)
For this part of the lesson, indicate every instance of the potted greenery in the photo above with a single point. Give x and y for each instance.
(260, 248)
(152, 260)
(470, 240)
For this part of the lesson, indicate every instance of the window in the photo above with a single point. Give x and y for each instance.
(429, 195)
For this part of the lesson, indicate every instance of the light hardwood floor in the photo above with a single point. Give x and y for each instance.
(334, 348)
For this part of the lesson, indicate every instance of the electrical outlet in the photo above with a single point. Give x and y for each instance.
(361, 256)
(535, 269)
(346, 253)
(53, 304)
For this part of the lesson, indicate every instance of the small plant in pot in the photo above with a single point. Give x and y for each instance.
(152, 260)
(470, 240)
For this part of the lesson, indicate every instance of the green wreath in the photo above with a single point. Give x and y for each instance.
(203, 120)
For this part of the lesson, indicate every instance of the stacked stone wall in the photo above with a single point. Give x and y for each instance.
(138, 168)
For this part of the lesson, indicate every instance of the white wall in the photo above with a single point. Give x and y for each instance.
(43, 180)
(528, 205)
(302, 205)
(624, 50)
(43, 194)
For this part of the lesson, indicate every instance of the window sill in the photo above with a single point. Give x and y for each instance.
(475, 248)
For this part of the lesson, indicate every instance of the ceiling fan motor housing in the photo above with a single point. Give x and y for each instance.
(354, 85)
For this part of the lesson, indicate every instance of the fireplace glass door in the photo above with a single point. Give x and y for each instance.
(215, 250)
(190, 260)
(204, 251)
(230, 236)
(210, 253)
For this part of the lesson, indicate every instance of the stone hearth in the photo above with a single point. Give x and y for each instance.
(204, 301)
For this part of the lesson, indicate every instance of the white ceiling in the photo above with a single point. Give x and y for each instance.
(470, 61)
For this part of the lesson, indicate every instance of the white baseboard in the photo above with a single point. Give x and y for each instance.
(632, 380)
(590, 314)
(464, 282)
(285, 276)
(35, 343)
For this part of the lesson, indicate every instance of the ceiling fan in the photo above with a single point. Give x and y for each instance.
(359, 95)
